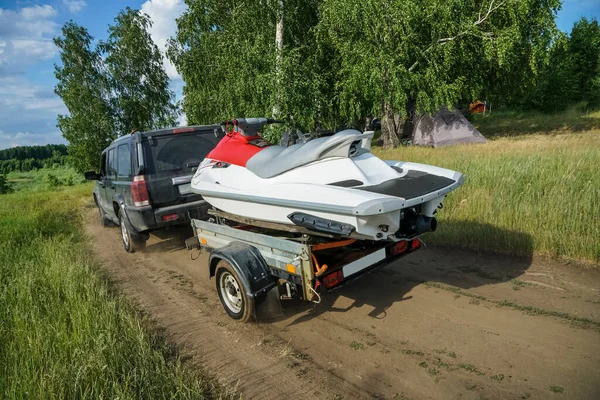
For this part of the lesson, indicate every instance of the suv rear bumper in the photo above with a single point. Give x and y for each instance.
(148, 218)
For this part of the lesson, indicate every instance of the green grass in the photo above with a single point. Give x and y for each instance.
(557, 389)
(511, 123)
(38, 180)
(64, 333)
(356, 345)
(537, 193)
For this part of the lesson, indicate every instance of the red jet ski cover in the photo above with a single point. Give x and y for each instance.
(237, 149)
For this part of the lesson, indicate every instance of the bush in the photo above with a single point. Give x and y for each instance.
(53, 181)
(5, 187)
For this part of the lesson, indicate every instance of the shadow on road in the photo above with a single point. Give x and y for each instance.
(169, 240)
(380, 289)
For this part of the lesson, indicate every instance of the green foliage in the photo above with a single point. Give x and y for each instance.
(437, 53)
(344, 60)
(227, 56)
(568, 73)
(35, 181)
(584, 45)
(31, 158)
(141, 98)
(5, 187)
(52, 180)
(84, 88)
(64, 333)
(112, 88)
(558, 84)
(35, 152)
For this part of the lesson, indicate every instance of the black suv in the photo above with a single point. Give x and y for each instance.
(144, 180)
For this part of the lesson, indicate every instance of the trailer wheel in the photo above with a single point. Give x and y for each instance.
(232, 293)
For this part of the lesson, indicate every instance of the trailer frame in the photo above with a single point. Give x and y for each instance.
(264, 255)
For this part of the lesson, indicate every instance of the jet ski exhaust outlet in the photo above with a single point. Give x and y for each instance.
(418, 223)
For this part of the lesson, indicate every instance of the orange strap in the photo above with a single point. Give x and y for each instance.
(319, 270)
(332, 245)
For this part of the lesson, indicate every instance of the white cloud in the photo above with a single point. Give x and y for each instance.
(28, 112)
(17, 95)
(29, 139)
(38, 12)
(74, 6)
(163, 14)
(26, 37)
(182, 120)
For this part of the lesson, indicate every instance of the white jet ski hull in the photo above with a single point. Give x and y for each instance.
(361, 192)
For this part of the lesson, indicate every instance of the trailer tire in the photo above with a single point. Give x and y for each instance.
(232, 293)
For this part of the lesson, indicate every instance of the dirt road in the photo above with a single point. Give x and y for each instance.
(438, 324)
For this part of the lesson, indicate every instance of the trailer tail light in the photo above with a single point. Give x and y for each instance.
(333, 279)
(139, 191)
(415, 244)
(398, 248)
(169, 217)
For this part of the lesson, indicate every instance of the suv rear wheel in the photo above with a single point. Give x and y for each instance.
(131, 240)
(104, 221)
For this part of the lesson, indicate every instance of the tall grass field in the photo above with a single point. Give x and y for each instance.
(522, 195)
(44, 179)
(63, 333)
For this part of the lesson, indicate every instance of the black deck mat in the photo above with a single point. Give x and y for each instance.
(410, 186)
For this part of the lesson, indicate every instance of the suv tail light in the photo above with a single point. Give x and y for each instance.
(139, 191)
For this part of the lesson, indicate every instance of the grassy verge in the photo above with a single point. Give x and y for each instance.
(44, 179)
(537, 193)
(516, 123)
(63, 334)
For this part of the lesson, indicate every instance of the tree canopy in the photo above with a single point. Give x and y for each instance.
(141, 98)
(226, 54)
(111, 89)
(344, 60)
(84, 88)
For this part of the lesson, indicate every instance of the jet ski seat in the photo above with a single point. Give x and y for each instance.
(275, 160)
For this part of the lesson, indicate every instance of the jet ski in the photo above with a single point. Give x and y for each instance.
(329, 185)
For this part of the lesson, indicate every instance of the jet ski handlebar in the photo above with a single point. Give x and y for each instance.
(250, 126)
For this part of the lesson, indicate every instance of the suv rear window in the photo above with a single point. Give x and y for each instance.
(179, 153)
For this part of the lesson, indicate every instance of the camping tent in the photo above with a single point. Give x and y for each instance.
(446, 128)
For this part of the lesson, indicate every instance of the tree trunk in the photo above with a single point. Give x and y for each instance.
(391, 126)
(278, 59)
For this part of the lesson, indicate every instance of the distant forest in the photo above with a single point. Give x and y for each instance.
(27, 158)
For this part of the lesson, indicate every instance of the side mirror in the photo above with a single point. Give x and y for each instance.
(91, 176)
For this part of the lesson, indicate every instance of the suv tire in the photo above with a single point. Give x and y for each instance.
(132, 241)
(104, 221)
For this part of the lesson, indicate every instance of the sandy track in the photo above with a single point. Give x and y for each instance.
(438, 324)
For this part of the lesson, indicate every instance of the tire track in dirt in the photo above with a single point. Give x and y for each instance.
(237, 354)
(387, 335)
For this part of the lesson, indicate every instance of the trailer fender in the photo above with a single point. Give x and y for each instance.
(248, 263)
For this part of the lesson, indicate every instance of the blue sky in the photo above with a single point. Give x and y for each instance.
(28, 105)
